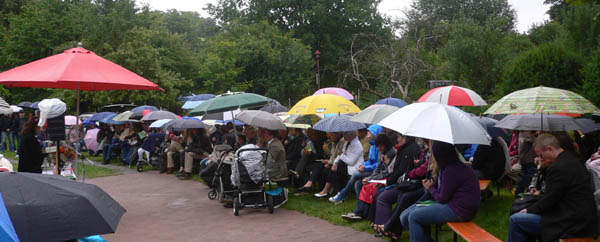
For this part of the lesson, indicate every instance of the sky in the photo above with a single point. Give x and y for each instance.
(528, 11)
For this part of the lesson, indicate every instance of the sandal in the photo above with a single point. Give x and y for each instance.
(379, 230)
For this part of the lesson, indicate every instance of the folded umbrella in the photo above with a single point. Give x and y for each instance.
(261, 119)
(538, 121)
(340, 123)
(54, 208)
(437, 122)
(374, 114)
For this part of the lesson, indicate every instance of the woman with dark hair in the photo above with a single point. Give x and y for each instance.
(30, 149)
(455, 191)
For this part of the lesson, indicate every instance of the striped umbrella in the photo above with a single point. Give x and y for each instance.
(453, 96)
(5, 107)
(340, 123)
(335, 91)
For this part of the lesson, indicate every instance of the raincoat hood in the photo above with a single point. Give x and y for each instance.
(375, 130)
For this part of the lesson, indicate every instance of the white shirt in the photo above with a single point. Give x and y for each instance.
(352, 156)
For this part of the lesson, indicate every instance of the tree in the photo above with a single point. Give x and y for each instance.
(550, 64)
(258, 58)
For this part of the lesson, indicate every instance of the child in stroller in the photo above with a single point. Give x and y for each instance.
(249, 176)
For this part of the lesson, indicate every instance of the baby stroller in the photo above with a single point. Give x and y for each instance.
(221, 186)
(249, 175)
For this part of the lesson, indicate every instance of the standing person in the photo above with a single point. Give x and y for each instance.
(22, 121)
(12, 132)
(4, 127)
(566, 208)
(455, 191)
(31, 157)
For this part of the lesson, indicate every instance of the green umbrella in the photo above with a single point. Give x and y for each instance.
(542, 100)
(301, 121)
(230, 101)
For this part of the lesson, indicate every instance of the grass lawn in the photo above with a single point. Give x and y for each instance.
(492, 216)
(90, 171)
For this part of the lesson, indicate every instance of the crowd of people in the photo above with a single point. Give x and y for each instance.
(401, 183)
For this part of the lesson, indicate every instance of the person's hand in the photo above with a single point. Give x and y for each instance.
(523, 211)
(361, 168)
(595, 156)
(334, 167)
(427, 183)
(325, 146)
(306, 152)
(325, 162)
(327, 165)
(365, 180)
(340, 152)
(536, 160)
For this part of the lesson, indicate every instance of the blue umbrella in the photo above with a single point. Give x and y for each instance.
(35, 105)
(139, 111)
(99, 116)
(200, 97)
(191, 104)
(338, 124)
(7, 230)
(109, 120)
(393, 102)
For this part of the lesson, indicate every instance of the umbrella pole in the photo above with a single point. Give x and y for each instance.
(233, 120)
(78, 141)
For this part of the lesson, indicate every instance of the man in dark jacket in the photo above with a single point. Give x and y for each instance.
(489, 161)
(293, 147)
(567, 208)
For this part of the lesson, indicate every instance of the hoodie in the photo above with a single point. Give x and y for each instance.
(372, 162)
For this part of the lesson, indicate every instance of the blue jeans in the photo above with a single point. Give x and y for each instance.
(419, 219)
(12, 138)
(524, 227)
(126, 152)
(19, 142)
(203, 162)
(107, 151)
(350, 185)
(3, 141)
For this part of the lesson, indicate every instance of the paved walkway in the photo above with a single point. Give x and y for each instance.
(162, 208)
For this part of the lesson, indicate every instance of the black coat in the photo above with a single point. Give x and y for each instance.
(489, 160)
(404, 161)
(567, 206)
(293, 150)
(30, 155)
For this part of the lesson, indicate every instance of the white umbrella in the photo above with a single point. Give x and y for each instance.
(159, 123)
(156, 115)
(437, 122)
(15, 109)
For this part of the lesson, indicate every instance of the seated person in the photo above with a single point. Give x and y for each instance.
(105, 140)
(175, 147)
(348, 154)
(313, 159)
(566, 208)
(127, 139)
(389, 169)
(366, 168)
(150, 145)
(198, 147)
(455, 191)
(293, 147)
(489, 161)
(276, 167)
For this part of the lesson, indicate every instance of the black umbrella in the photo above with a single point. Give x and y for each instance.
(538, 121)
(274, 108)
(587, 125)
(54, 208)
(24, 104)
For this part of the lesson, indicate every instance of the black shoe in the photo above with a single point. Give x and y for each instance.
(185, 176)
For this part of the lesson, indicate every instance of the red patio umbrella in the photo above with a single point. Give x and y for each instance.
(76, 69)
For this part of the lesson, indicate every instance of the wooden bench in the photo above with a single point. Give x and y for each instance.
(470, 232)
(483, 184)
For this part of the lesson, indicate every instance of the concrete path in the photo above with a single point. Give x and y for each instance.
(162, 208)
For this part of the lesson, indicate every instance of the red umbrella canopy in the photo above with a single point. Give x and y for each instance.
(76, 68)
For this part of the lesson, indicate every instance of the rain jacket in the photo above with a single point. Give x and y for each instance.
(371, 163)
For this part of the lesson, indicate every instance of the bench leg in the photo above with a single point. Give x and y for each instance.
(455, 237)
(436, 232)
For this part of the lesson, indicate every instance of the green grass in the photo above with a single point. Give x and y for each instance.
(90, 171)
(492, 216)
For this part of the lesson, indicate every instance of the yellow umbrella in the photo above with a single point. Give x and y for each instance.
(324, 104)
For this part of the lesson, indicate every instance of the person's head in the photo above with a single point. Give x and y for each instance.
(383, 143)
(373, 131)
(271, 134)
(229, 126)
(250, 132)
(333, 136)
(547, 148)
(21, 114)
(350, 135)
(241, 139)
(292, 132)
(444, 153)
(282, 133)
(31, 127)
(362, 133)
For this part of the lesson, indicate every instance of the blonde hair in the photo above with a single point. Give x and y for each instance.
(433, 166)
(546, 140)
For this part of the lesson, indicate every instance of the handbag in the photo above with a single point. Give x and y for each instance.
(523, 201)
(406, 184)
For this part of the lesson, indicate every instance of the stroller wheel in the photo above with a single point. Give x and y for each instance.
(270, 204)
(140, 167)
(212, 195)
(236, 206)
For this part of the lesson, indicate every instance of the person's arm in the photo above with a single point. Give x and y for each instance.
(557, 181)
(444, 193)
(419, 172)
(351, 155)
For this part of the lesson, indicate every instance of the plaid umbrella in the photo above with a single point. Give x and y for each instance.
(340, 123)
(542, 100)
(587, 125)
(538, 121)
